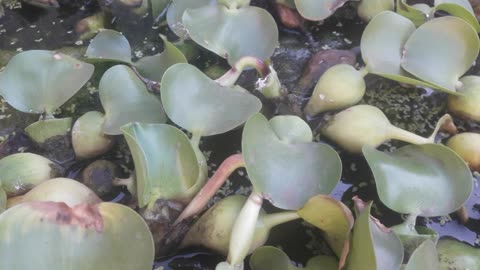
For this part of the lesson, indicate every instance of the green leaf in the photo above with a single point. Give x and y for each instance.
(110, 45)
(318, 10)
(158, 6)
(267, 258)
(176, 10)
(43, 130)
(334, 219)
(423, 180)
(289, 173)
(367, 9)
(457, 255)
(416, 13)
(252, 31)
(413, 236)
(382, 44)
(23, 171)
(126, 99)
(373, 247)
(428, 52)
(40, 81)
(291, 129)
(459, 8)
(466, 104)
(3, 200)
(153, 67)
(425, 257)
(165, 163)
(68, 191)
(86, 237)
(202, 106)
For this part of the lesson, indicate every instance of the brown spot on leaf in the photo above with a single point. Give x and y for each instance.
(84, 216)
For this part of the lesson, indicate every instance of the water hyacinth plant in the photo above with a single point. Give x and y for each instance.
(137, 168)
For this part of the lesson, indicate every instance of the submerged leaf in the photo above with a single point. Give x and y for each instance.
(40, 81)
(126, 99)
(288, 172)
(85, 237)
(424, 180)
(165, 162)
(457, 255)
(252, 31)
(201, 105)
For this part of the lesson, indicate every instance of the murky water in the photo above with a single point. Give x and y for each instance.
(30, 27)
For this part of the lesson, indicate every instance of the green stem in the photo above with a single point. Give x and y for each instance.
(407, 227)
(200, 200)
(272, 220)
(243, 230)
(229, 78)
(407, 136)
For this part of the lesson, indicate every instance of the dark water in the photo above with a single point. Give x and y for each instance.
(412, 109)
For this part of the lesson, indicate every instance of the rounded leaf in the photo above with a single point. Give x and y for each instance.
(40, 81)
(202, 106)
(382, 44)
(425, 180)
(165, 163)
(457, 255)
(153, 67)
(428, 53)
(233, 33)
(459, 8)
(126, 99)
(22, 171)
(318, 10)
(291, 129)
(287, 173)
(267, 257)
(466, 105)
(43, 130)
(176, 10)
(88, 139)
(110, 45)
(86, 237)
(68, 191)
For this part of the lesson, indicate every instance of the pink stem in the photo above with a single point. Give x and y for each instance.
(200, 200)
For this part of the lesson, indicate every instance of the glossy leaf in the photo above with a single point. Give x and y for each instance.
(424, 180)
(332, 217)
(86, 237)
(372, 247)
(176, 10)
(125, 99)
(425, 257)
(153, 67)
(428, 52)
(110, 45)
(267, 258)
(382, 47)
(252, 31)
(367, 9)
(53, 78)
(459, 8)
(457, 255)
(318, 10)
(290, 172)
(291, 129)
(202, 106)
(165, 163)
